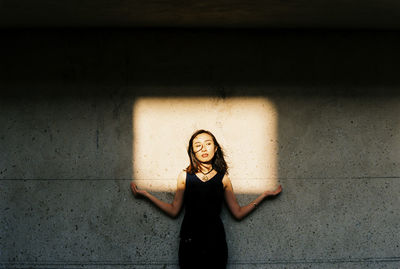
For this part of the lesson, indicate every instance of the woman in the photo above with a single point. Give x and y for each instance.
(201, 188)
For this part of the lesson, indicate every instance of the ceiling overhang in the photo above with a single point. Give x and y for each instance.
(274, 14)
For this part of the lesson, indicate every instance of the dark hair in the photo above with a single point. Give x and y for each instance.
(218, 161)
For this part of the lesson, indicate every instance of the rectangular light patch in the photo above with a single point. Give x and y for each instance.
(245, 127)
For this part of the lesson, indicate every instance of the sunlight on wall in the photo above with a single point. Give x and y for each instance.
(245, 127)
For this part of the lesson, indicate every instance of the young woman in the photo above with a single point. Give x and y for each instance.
(201, 188)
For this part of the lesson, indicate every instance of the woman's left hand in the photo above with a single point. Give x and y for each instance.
(274, 192)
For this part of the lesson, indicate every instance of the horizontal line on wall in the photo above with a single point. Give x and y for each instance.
(233, 262)
(322, 261)
(163, 179)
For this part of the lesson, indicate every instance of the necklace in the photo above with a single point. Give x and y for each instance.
(205, 178)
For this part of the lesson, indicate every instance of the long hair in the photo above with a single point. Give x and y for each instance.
(218, 161)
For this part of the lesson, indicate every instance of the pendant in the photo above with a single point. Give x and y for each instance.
(205, 178)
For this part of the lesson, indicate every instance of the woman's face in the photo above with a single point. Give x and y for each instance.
(204, 147)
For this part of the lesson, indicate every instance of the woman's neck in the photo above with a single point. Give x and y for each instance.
(205, 167)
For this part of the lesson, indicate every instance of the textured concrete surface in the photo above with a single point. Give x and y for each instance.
(66, 145)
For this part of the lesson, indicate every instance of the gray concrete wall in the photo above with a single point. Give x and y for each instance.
(66, 145)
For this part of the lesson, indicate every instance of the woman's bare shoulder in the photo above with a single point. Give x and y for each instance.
(182, 174)
(226, 181)
(182, 177)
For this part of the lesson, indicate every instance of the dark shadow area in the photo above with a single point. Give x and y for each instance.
(222, 62)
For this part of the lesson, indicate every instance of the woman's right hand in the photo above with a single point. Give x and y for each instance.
(136, 192)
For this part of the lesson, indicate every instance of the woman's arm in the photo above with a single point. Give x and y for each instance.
(171, 209)
(239, 212)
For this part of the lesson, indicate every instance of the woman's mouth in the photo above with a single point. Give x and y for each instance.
(204, 155)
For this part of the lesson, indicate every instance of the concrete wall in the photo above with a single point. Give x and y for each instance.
(66, 145)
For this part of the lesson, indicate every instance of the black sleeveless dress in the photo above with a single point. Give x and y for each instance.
(202, 235)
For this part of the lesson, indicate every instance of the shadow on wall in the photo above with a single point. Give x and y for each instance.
(171, 62)
(70, 144)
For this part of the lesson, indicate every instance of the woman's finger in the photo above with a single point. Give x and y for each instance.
(134, 188)
(279, 189)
